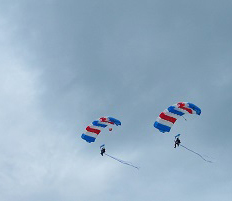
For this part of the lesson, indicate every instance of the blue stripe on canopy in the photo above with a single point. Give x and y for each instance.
(195, 108)
(96, 123)
(88, 138)
(117, 122)
(161, 127)
(172, 110)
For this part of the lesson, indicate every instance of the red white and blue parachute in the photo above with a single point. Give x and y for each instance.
(168, 117)
(93, 130)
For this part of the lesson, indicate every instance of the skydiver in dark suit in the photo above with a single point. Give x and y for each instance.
(103, 150)
(177, 142)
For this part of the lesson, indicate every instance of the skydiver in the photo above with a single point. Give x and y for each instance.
(103, 150)
(177, 142)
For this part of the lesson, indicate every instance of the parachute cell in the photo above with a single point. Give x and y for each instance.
(168, 117)
(94, 129)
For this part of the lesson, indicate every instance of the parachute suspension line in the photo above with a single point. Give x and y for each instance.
(184, 118)
(196, 153)
(121, 161)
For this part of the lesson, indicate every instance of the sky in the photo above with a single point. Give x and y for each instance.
(64, 64)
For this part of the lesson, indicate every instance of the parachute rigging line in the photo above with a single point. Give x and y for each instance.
(196, 153)
(121, 161)
(184, 118)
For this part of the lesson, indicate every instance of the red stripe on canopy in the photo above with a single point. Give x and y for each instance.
(93, 130)
(181, 105)
(167, 118)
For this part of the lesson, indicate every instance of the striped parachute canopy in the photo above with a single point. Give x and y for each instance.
(168, 117)
(93, 130)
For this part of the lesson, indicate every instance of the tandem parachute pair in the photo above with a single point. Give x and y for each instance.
(163, 123)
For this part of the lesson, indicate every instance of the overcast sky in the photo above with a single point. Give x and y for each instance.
(64, 64)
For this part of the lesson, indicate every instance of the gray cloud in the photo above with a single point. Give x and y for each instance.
(64, 64)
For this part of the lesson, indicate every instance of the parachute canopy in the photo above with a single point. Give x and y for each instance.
(168, 117)
(93, 130)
